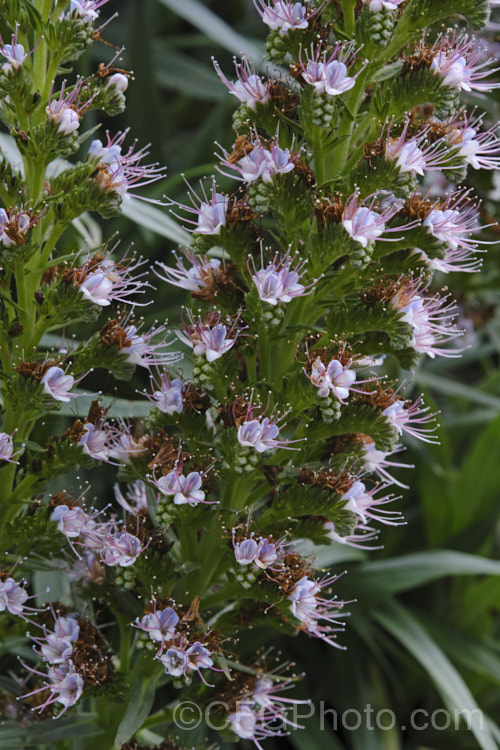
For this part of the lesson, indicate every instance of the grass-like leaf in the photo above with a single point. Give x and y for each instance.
(404, 573)
(407, 629)
(215, 28)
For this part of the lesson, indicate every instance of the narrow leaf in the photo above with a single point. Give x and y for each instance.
(473, 654)
(406, 628)
(141, 700)
(452, 388)
(183, 73)
(214, 27)
(120, 407)
(49, 731)
(398, 574)
(478, 484)
(155, 220)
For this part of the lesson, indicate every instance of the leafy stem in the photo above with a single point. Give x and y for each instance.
(317, 144)
(348, 8)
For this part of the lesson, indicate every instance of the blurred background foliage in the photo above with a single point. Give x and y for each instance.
(424, 630)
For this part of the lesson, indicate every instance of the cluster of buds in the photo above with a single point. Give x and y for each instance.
(256, 553)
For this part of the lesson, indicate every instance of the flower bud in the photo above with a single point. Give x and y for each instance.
(118, 81)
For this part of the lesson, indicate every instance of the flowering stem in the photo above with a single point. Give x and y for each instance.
(24, 301)
(400, 38)
(337, 156)
(125, 641)
(23, 123)
(160, 717)
(348, 7)
(45, 7)
(265, 355)
(7, 476)
(318, 154)
(39, 329)
(36, 182)
(229, 491)
(222, 596)
(51, 73)
(251, 363)
(12, 420)
(186, 534)
(309, 190)
(39, 74)
(235, 495)
(22, 493)
(50, 243)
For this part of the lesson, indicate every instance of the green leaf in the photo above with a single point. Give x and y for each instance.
(214, 27)
(50, 340)
(89, 230)
(375, 579)
(335, 554)
(186, 566)
(34, 447)
(18, 646)
(407, 629)
(141, 700)
(452, 388)
(434, 476)
(223, 663)
(54, 581)
(177, 71)
(475, 603)
(49, 732)
(34, 16)
(313, 736)
(120, 407)
(388, 71)
(87, 133)
(381, 343)
(476, 417)
(155, 220)
(429, 12)
(474, 654)
(478, 484)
